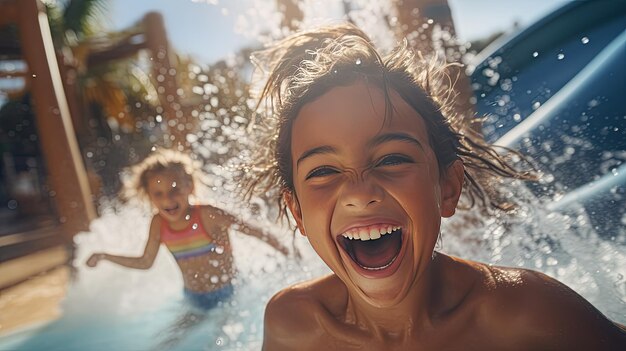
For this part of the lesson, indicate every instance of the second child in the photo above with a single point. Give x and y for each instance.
(196, 235)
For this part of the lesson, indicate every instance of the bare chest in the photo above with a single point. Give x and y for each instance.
(460, 331)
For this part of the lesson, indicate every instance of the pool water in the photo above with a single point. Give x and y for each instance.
(113, 308)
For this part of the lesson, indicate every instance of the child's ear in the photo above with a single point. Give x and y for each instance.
(451, 185)
(294, 207)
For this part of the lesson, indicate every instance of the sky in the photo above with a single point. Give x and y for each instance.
(208, 30)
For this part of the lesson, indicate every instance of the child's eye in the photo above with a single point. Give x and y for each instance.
(394, 159)
(320, 172)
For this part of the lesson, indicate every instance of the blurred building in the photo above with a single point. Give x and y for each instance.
(45, 196)
(49, 184)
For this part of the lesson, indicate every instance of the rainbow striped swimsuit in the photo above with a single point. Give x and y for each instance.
(190, 242)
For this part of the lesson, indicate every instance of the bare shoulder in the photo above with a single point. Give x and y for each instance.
(293, 315)
(214, 214)
(210, 210)
(531, 308)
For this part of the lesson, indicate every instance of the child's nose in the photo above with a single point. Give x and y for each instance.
(361, 193)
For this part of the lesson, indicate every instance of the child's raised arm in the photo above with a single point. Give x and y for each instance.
(144, 261)
(229, 220)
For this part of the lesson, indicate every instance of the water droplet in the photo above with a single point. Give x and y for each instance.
(153, 148)
(219, 342)
(560, 56)
(593, 103)
(358, 61)
(34, 76)
(194, 226)
(12, 204)
(214, 279)
(187, 217)
(517, 117)
(536, 105)
(219, 250)
(535, 54)
(584, 40)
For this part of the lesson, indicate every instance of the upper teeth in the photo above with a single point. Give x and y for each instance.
(369, 233)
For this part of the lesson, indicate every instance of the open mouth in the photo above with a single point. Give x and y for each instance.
(373, 248)
(171, 210)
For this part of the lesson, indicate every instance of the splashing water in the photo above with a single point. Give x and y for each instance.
(563, 245)
(116, 308)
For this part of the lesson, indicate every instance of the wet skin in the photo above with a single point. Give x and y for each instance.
(354, 172)
(170, 195)
(211, 271)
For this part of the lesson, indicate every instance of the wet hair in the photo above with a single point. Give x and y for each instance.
(158, 162)
(304, 66)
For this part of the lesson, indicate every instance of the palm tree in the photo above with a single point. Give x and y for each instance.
(75, 20)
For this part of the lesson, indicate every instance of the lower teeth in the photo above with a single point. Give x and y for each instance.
(381, 267)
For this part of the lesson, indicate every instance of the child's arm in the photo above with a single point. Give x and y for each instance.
(144, 261)
(228, 220)
(261, 234)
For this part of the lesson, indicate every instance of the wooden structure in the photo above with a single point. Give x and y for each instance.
(59, 117)
(67, 178)
(417, 20)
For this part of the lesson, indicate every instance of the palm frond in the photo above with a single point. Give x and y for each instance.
(82, 16)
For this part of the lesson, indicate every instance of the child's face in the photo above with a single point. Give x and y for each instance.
(169, 194)
(355, 175)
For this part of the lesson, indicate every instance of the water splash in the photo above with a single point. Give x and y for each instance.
(561, 244)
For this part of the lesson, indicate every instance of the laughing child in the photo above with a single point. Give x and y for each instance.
(197, 235)
(367, 158)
